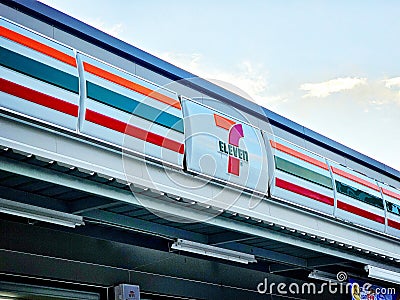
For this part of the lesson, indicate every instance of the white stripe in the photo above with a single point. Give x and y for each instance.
(37, 111)
(356, 184)
(133, 95)
(37, 37)
(39, 85)
(134, 120)
(130, 76)
(305, 183)
(360, 204)
(131, 143)
(357, 219)
(387, 197)
(303, 163)
(299, 149)
(299, 199)
(38, 56)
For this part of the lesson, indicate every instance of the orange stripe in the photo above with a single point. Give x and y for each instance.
(299, 155)
(131, 85)
(355, 179)
(223, 122)
(391, 194)
(42, 48)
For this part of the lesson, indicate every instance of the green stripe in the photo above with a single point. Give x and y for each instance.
(358, 194)
(38, 70)
(134, 107)
(301, 172)
(393, 208)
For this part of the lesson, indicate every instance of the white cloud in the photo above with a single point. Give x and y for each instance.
(247, 79)
(377, 94)
(326, 88)
(392, 82)
(188, 62)
(246, 76)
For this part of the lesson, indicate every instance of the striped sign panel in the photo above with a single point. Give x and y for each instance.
(127, 111)
(224, 148)
(301, 176)
(391, 196)
(39, 77)
(358, 198)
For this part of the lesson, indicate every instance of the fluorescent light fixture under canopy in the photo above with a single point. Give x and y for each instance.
(39, 213)
(382, 274)
(324, 276)
(212, 251)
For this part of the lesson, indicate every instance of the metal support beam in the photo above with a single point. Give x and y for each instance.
(278, 268)
(228, 237)
(143, 226)
(325, 261)
(267, 254)
(91, 203)
(33, 199)
(311, 263)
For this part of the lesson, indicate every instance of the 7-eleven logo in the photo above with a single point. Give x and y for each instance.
(235, 133)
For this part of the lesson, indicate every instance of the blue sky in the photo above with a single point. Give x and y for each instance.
(333, 66)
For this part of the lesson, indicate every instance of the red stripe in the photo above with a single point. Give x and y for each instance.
(38, 97)
(303, 191)
(391, 194)
(355, 178)
(133, 131)
(298, 155)
(233, 165)
(361, 212)
(37, 46)
(394, 224)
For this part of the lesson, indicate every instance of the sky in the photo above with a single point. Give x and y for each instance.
(332, 66)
